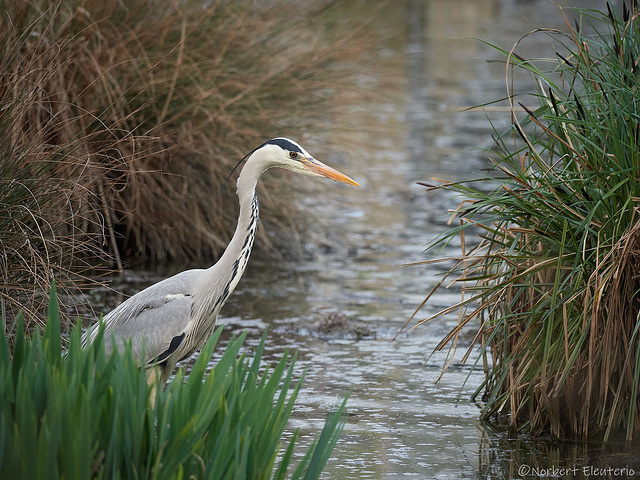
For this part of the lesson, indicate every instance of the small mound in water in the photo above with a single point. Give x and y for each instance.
(336, 326)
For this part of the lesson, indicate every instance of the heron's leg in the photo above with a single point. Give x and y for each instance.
(167, 369)
(158, 375)
(152, 380)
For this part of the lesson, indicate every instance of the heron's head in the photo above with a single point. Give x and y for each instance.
(285, 153)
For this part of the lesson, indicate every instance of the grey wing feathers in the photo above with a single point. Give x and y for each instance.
(152, 318)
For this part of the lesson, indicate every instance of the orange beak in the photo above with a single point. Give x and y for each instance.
(323, 170)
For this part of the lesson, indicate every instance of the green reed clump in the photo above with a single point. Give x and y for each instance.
(554, 279)
(125, 118)
(82, 414)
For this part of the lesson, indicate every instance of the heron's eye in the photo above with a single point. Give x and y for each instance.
(293, 154)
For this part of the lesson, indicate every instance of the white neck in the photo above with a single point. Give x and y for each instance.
(221, 279)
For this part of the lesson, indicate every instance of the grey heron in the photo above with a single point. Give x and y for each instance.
(172, 319)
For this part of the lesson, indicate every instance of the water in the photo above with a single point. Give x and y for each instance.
(403, 422)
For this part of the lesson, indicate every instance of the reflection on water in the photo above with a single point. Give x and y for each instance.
(424, 72)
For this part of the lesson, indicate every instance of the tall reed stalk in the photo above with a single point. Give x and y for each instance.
(553, 283)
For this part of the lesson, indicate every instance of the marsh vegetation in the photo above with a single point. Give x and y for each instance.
(120, 122)
(553, 282)
(84, 414)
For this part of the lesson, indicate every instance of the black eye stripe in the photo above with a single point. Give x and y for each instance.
(285, 145)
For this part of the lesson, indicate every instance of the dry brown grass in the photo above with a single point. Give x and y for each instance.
(124, 119)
